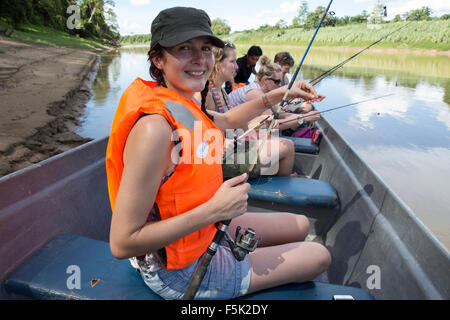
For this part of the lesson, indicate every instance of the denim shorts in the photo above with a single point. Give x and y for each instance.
(226, 278)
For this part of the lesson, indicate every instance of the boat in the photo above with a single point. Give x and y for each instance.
(55, 217)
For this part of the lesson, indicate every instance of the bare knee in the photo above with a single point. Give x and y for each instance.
(303, 226)
(323, 258)
(319, 262)
(286, 147)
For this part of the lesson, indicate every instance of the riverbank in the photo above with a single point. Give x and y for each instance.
(414, 35)
(397, 51)
(43, 91)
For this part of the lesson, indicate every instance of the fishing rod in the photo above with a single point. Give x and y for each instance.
(340, 107)
(297, 70)
(245, 243)
(330, 71)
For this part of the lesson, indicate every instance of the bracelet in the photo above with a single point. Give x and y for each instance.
(266, 101)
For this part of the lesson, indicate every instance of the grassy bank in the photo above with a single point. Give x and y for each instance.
(418, 35)
(424, 35)
(48, 36)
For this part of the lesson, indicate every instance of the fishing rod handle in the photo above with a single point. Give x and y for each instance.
(202, 267)
(198, 276)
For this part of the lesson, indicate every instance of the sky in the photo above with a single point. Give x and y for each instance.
(135, 16)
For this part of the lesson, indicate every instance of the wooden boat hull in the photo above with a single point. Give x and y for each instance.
(376, 242)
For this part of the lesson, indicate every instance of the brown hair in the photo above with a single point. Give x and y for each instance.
(284, 58)
(156, 74)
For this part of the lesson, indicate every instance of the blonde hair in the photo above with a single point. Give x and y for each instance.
(267, 68)
(219, 55)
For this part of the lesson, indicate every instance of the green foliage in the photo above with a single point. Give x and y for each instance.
(397, 18)
(434, 34)
(220, 27)
(136, 39)
(301, 15)
(376, 16)
(423, 13)
(98, 20)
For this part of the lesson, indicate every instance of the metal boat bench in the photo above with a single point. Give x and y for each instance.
(51, 274)
(294, 191)
(303, 145)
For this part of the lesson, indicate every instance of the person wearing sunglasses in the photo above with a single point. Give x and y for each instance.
(268, 78)
(215, 99)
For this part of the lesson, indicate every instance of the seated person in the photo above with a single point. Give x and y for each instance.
(269, 78)
(247, 64)
(286, 62)
(215, 99)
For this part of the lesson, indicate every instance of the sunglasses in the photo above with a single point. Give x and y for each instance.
(228, 43)
(276, 81)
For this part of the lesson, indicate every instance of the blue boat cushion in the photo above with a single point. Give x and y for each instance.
(49, 275)
(303, 145)
(294, 191)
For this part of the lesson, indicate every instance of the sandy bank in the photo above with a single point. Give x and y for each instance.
(43, 90)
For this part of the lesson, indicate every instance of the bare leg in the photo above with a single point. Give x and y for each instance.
(293, 262)
(287, 156)
(282, 257)
(279, 154)
(273, 227)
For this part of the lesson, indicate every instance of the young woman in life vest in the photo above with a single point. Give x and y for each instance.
(165, 210)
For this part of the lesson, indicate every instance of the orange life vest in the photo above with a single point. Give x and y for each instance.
(191, 184)
(238, 85)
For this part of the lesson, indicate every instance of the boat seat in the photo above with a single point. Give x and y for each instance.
(51, 274)
(294, 191)
(303, 145)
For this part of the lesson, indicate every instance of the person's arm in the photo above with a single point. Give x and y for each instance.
(146, 161)
(239, 116)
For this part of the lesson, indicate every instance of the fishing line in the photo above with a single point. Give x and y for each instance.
(297, 70)
(247, 244)
(330, 71)
(336, 108)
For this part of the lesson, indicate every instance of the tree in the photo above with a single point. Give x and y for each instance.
(423, 13)
(360, 18)
(220, 27)
(397, 18)
(302, 12)
(376, 16)
(281, 24)
(313, 18)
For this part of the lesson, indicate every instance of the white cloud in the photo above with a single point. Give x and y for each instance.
(139, 2)
(129, 28)
(395, 106)
(394, 7)
(433, 97)
(289, 7)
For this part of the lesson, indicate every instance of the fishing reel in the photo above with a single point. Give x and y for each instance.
(245, 243)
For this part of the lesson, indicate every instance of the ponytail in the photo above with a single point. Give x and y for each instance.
(204, 93)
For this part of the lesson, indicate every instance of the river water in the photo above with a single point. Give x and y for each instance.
(405, 138)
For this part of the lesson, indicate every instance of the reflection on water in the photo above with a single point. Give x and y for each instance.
(405, 138)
